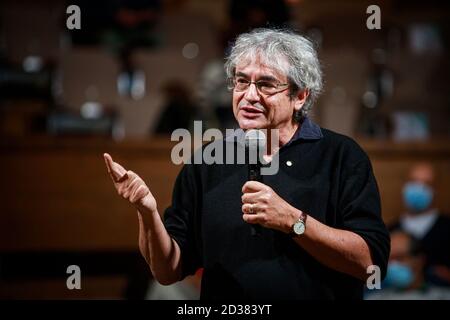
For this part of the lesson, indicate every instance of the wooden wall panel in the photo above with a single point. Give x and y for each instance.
(56, 194)
(61, 197)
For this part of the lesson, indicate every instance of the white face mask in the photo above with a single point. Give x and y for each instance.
(419, 225)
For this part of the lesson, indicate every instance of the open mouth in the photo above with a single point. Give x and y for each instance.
(251, 110)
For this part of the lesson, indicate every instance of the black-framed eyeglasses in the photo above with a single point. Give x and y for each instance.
(265, 87)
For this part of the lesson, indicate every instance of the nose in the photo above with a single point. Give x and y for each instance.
(252, 93)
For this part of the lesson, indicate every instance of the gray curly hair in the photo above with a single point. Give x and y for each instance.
(274, 47)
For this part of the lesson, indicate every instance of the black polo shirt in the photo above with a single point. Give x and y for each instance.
(320, 172)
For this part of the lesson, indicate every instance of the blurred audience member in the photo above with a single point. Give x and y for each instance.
(187, 289)
(405, 274)
(120, 24)
(179, 111)
(250, 14)
(215, 97)
(423, 221)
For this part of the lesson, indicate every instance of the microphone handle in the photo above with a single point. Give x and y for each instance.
(254, 172)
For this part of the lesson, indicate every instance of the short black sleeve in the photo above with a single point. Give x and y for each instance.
(359, 205)
(182, 221)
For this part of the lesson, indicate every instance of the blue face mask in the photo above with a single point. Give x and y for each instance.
(398, 276)
(417, 196)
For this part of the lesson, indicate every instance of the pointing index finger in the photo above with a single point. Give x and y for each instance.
(116, 171)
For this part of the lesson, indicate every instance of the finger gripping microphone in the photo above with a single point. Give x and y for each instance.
(255, 145)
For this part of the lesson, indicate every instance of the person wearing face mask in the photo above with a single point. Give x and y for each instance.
(423, 221)
(405, 278)
(406, 263)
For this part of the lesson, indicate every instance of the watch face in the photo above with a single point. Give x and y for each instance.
(299, 227)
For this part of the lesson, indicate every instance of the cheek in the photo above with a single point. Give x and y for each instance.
(236, 99)
(285, 109)
(277, 110)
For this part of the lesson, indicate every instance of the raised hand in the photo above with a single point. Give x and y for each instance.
(130, 186)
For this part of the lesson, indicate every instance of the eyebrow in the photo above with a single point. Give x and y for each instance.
(263, 77)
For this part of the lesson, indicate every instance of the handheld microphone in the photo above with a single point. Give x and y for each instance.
(255, 145)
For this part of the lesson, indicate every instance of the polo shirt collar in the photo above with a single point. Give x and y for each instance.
(307, 130)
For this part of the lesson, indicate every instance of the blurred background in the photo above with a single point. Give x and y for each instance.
(137, 70)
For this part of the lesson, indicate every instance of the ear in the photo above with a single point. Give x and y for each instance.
(301, 99)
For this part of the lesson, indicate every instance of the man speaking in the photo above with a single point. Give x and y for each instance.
(318, 216)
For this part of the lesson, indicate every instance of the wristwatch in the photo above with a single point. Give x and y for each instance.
(299, 227)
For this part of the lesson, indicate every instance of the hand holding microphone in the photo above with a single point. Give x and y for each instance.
(255, 146)
(261, 205)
